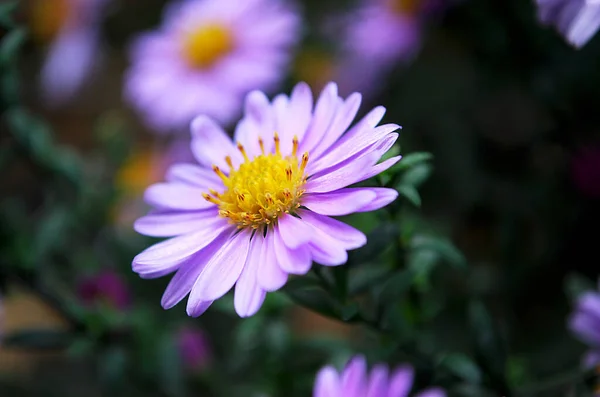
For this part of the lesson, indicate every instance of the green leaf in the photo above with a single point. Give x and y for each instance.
(349, 311)
(410, 193)
(463, 367)
(442, 246)
(7, 9)
(416, 175)
(412, 159)
(576, 284)
(112, 365)
(170, 368)
(377, 241)
(315, 299)
(396, 286)
(10, 45)
(38, 339)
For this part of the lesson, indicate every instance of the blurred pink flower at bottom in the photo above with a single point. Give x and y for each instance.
(194, 348)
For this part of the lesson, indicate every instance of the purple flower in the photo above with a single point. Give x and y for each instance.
(577, 20)
(585, 323)
(72, 27)
(105, 288)
(194, 348)
(585, 170)
(258, 209)
(206, 57)
(355, 381)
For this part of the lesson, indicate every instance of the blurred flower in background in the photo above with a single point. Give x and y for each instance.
(577, 20)
(106, 288)
(206, 56)
(355, 381)
(243, 231)
(585, 323)
(71, 29)
(585, 170)
(194, 348)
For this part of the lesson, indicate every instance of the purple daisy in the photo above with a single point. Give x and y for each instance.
(585, 323)
(206, 57)
(355, 381)
(72, 27)
(258, 209)
(577, 20)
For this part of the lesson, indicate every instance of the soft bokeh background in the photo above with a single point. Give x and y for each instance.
(473, 288)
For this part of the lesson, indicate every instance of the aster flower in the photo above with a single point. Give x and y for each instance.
(194, 348)
(72, 27)
(258, 209)
(206, 57)
(355, 381)
(585, 324)
(577, 20)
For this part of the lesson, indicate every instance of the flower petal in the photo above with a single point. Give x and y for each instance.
(384, 197)
(195, 175)
(327, 383)
(196, 308)
(224, 268)
(294, 232)
(270, 276)
(182, 282)
(169, 224)
(296, 261)
(401, 382)
(176, 196)
(340, 202)
(322, 118)
(378, 384)
(350, 237)
(210, 144)
(249, 296)
(354, 378)
(326, 250)
(168, 254)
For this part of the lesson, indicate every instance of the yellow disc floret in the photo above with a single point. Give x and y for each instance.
(262, 188)
(206, 45)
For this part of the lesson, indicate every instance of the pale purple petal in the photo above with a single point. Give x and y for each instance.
(224, 268)
(249, 296)
(322, 118)
(195, 175)
(340, 202)
(270, 275)
(384, 197)
(297, 261)
(354, 378)
(401, 381)
(294, 232)
(326, 250)
(210, 144)
(169, 224)
(176, 196)
(327, 383)
(350, 237)
(378, 382)
(166, 254)
(196, 308)
(343, 176)
(182, 282)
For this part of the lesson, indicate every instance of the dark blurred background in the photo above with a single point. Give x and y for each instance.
(509, 111)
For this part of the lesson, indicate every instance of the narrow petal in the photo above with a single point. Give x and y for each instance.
(322, 117)
(270, 276)
(378, 382)
(176, 196)
(296, 261)
(195, 175)
(300, 110)
(326, 250)
(182, 282)
(354, 378)
(196, 308)
(350, 237)
(210, 144)
(384, 197)
(169, 224)
(294, 232)
(249, 296)
(224, 268)
(340, 202)
(172, 252)
(339, 178)
(327, 384)
(401, 382)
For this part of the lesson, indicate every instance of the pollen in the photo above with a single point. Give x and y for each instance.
(262, 188)
(47, 18)
(203, 47)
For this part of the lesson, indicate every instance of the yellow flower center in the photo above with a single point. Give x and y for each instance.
(405, 6)
(262, 188)
(206, 45)
(47, 18)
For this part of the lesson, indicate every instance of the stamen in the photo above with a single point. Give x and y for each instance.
(229, 162)
(295, 146)
(276, 139)
(218, 171)
(210, 199)
(304, 161)
(243, 151)
(262, 145)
